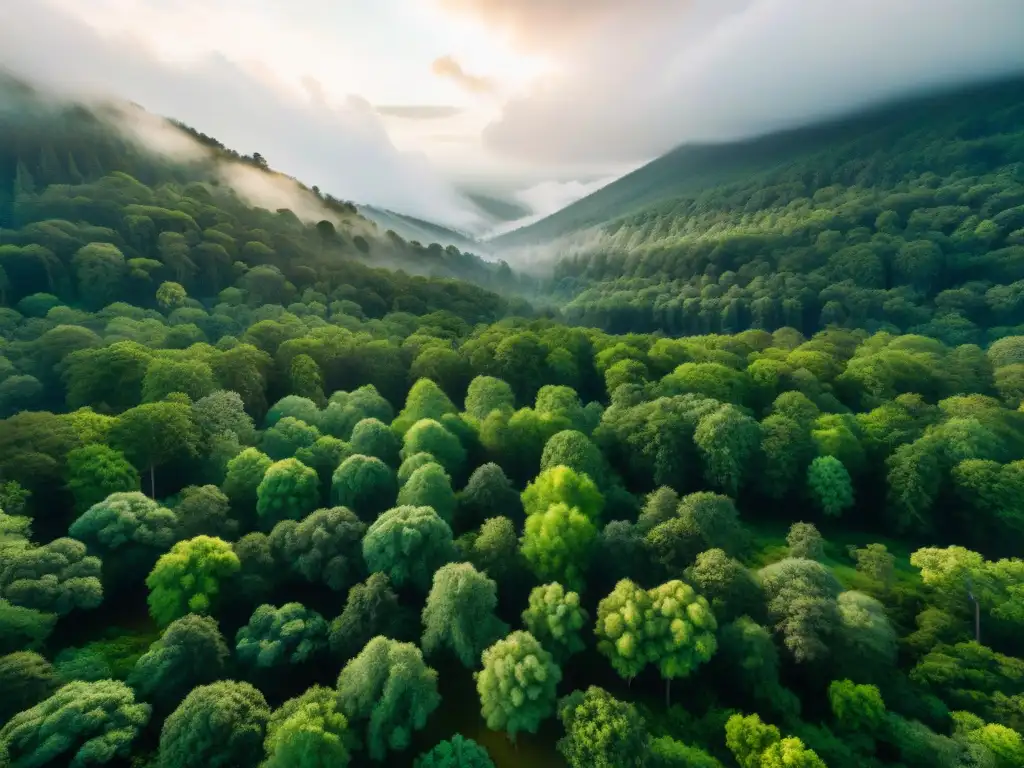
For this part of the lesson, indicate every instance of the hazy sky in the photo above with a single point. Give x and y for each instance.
(390, 101)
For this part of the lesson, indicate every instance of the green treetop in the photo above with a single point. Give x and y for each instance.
(408, 544)
(830, 485)
(191, 651)
(555, 617)
(388, 690)
(458, 752)
(558, 544)
(460, 613)
(600, 731)
(289, 490)
(429, 486)
(188, 578)
(217, 726)
(517, 684)
(291, 634)
(96, 471)
(562, 485)
(308, 732)
(81, 724)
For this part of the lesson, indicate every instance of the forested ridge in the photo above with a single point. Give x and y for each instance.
(908, 220)
(270, 501)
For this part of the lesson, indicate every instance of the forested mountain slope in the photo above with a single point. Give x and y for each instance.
(909, 219)
(264, 503)
(412, 228)
(61, 165)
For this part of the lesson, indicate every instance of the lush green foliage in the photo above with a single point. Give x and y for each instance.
(290, 634)
(408, 544)
(556, 619)
(389, 689)
(460, 613)
(517, 684)
(190, 652)
(907, 218)
(221, 724)
(601, 731)
(187, 579)
(80, 724)
(789, 472)
(26, 678)
(459, 752)
(289, 490)
(323, 547)
(307, 732)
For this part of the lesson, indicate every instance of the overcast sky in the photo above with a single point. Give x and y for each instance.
(391, 102)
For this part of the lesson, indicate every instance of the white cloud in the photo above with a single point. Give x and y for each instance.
(648, 76)
(545, 198)
(342, 147)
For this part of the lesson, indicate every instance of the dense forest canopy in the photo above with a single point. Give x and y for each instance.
(270, 499)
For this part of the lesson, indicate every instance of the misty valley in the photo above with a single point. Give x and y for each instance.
(718, 466)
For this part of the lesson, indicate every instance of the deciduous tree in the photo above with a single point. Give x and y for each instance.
(289, 490)
(388, 690)
(488, 494)
(191, 651)
(218, 725)
(372, 437)
(188, 578)
(562, 485)
(601, 731)
(408, 544)
(307, 732)
(81, 724)
(554, 616)
(291, 634)
(371, 609)
(830, 485)
(26, 678)
(429, 486)
(517, 684)
(558, 544)
(365, 485)
(460, 613)
(430, 436)
(96, 471)
(324, 547)
(458, 752)
(155, 433)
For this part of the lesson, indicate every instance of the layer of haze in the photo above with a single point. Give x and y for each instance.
(638, 78)
(621, 82)
(343, 147)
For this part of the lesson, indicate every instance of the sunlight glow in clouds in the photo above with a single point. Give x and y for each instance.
(552, 94)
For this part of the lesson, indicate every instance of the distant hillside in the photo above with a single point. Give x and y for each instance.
(692, 169)
(413, 229)
(50, 151)
(499, 209)
(907, 219)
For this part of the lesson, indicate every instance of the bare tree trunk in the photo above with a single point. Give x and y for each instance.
(152, 482)
(668, 692)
